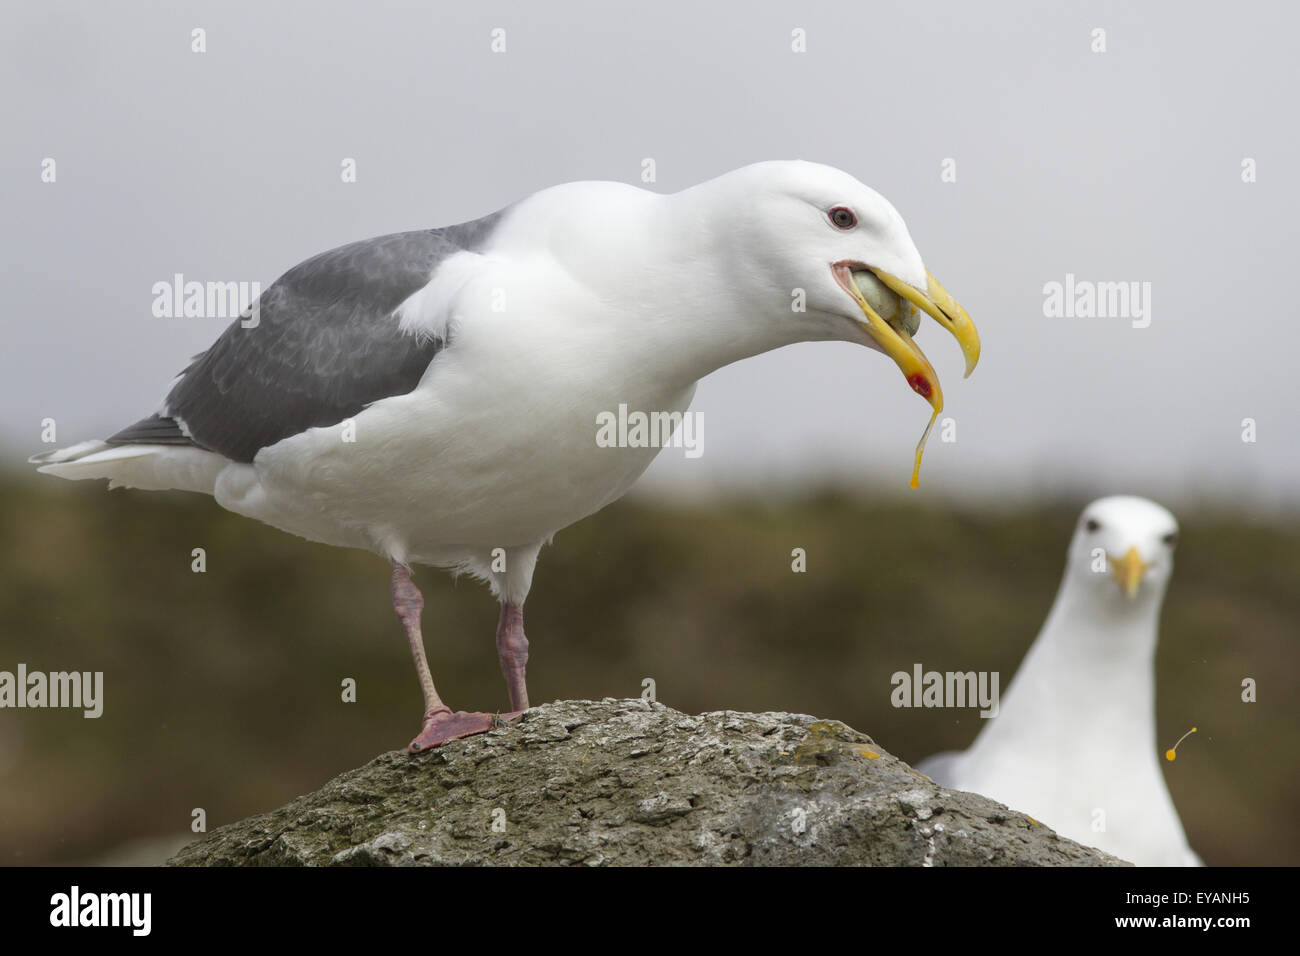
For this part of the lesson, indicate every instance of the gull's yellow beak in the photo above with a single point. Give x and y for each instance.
(896, 342)
(1128, 571)
(943, 308)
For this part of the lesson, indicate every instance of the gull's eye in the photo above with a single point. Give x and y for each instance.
(842, 217)
(1170, 539)
(1092, 524)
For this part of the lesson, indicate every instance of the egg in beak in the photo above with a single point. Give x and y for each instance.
(889, 305)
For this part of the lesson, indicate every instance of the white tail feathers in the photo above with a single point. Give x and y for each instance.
(71, 453)
(148, 467)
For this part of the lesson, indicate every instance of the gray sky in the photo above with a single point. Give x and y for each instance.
(1119, 166)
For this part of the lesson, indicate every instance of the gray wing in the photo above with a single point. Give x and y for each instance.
(325, 346)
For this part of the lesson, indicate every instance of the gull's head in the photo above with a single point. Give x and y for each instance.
(816, 228)
(1123, 549)
(833, 260)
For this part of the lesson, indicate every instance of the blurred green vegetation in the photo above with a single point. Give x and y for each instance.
(222, 689)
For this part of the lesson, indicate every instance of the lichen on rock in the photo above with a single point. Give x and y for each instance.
(630, 782)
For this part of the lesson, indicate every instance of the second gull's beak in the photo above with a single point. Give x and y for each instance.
(1128, 571)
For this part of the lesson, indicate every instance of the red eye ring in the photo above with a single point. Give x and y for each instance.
(842, 217)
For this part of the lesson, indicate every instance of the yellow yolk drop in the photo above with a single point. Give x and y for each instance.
(920, 450)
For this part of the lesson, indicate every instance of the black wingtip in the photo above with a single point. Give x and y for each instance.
(154, 430)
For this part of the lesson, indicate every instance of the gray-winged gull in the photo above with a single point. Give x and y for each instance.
(1074, 740)
(434, 396)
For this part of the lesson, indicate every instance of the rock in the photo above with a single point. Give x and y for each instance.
(628, 782)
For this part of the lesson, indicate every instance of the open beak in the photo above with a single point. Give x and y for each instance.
(1128, 571)
(896, 342)
(943, 308)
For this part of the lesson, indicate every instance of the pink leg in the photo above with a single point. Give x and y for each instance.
(512, 649)
(440, 722)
